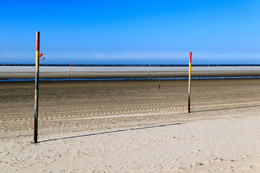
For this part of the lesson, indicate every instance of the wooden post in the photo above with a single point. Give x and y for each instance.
(189, 87)
(70, 72)
(36, 87)
(149, 70)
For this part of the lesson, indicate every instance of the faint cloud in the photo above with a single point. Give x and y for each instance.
(13, 54)
(138, 54)
(203, 55)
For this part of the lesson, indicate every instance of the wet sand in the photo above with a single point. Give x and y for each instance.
(25, 72)
(119, 126)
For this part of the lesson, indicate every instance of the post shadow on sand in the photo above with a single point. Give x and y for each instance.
(108, 132)
(220, 109)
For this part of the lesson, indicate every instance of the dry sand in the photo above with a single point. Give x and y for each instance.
(131, 127)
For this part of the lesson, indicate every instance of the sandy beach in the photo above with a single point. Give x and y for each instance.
(131, 126)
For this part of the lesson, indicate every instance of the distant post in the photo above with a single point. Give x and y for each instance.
(189, 92)
(36, 87)
(70, 72)
(149, 69)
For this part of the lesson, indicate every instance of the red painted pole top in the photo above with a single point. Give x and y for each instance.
(190, 56)
(37, 40)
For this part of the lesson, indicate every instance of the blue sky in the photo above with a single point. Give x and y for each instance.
(131, 32)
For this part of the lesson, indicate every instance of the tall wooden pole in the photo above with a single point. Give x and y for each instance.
(36, 87)
(189, 92)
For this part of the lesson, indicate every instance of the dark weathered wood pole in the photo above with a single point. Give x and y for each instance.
(36, 87)
(189, 87)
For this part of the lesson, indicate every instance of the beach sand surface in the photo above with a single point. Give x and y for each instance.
(131, 126)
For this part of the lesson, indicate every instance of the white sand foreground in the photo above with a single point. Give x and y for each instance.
(226, 144)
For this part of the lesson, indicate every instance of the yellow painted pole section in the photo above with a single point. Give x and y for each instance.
(37, 60)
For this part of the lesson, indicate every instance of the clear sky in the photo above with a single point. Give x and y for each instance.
(131, 32)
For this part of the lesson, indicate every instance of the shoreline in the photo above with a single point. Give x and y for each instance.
(65, 80)
(52, 72)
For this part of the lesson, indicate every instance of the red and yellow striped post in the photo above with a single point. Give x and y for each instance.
(36, 87)
(189, 93)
